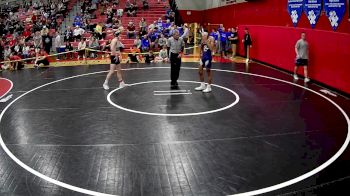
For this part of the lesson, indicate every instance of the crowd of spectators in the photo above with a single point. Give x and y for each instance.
(27, 29)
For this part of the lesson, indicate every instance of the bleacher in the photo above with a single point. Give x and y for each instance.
(156, 10)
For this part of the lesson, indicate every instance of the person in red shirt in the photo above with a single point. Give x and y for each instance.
(27, 34)
(42, 59)
(17, 64)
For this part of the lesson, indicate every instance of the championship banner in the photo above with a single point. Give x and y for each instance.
(335, 10)
(295, 9)
(313, 10)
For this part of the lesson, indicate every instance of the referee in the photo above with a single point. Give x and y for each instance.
(176, 47)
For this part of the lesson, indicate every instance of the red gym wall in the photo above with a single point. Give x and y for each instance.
(274, 38)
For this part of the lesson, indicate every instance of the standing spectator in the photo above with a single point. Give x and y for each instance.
(58, 43)
(223, 41)
(37, 41)
(233, 38)
(185, 35)
(302, 59)
(247, 41)
(47, 42)
(215, 35)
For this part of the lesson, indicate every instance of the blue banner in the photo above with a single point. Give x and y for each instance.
(295, 9)
(335, 10)
(313, 10)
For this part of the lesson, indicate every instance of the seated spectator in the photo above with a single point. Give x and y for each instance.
(143, 25)
(69, 48)
(145, 4)
(57, 43)
(93, 44)
(162, 41)
(134, 56)
(25, 51)
(130, 9)
(163, 55)
(160, 24)
(153, 37)
(131, 32)
(68, 34)
(137, 42)
(149, 58)
(120, 13)
(98, 31)
(145, 44)
(42, 59)
(78, 32)
(81, 48)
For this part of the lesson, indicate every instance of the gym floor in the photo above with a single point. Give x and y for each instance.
(62, 134)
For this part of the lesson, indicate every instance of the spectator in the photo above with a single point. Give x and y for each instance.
(223, 41)
(134, 56)
(77, 33)
(68, 34)
(233, 37)
(162, 41)
(37, 41)
(149, 58)
(25, 51)
(247, 41)
(163, 55)
(42, 59)
(98, 31)
(81, 48)
(145, 44)
(143, 25)
(47, 42)
(185, 35)
(145, 4)
(137, 42)
(69, 48)
(131, 32)
(58, 43)
(153, 37)
(93, 44)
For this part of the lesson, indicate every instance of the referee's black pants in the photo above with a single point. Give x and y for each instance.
(175, 68)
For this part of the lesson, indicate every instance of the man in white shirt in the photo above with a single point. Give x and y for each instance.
(57, 43)
(78, 32)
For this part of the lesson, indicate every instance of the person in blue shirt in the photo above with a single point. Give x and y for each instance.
(160, 24)
(223, 42)
(153, 37)
(145, 44)
(215, 35)
(207, 46)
